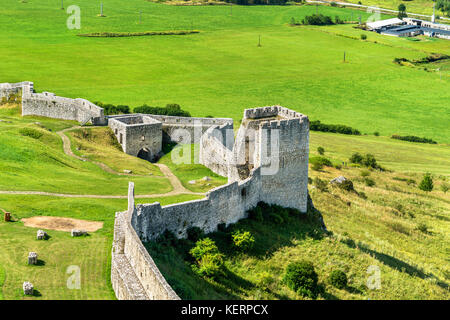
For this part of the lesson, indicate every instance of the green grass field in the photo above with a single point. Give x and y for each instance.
(382, 230)
(221, 71)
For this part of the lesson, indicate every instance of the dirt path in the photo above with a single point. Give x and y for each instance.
(62, 224)
(177, 186)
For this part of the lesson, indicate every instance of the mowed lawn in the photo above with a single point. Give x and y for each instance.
(92, 254)
(221, 71)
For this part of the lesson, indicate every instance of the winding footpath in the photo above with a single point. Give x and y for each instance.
(178, 188)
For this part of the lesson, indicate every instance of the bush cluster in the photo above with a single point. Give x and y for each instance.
(413, 139)
(111, 109)
(427, 183)
(168, 110)
(368, 160)
(30, 132)
(302, 278)
(320, 20)
(335, 128)
(243, 240)
(209, 261)
(338, 279)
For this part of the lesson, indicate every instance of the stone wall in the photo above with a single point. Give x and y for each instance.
(226, 204)
(138, 135)
(8, 89)
(216, 146)
(134, 274)
(46, 104)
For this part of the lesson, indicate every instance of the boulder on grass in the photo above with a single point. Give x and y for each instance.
(41, 235)
(28, 288)
(78, 233)
(32, 258)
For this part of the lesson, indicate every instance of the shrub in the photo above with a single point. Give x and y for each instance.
(317, 166)
(338, 166)
(369, 182)
(335, 128)
(276, 218)
(422, 227)
(410, 181)
(321, 160)
(243, 240)
(302, 278)
(427, 183)
(338, 279)
(321, 151)
(203, 247)
(362, 195)
(346, 185)
(32, 133)
(413, 139)
(168, 238)
(363, 37)
(317, 20)
(265, 279)
(169, 110)
(369, 161)
(444, 187)
(320, 184)
(365, 173)
(194, 234)
(356, 158)
(210, 265)
(256, 214)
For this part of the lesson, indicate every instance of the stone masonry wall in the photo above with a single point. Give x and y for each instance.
(134, 274)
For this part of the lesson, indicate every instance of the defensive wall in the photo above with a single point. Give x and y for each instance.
(134, 273)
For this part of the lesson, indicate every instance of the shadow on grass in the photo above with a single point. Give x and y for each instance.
(397, 264)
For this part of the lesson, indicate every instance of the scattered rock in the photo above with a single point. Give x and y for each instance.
(41, 235)
(192, 182)
(343, 183)
(32, 258)
(338, 180)
(127, 171)
(78, 233)
(206, 178)
(28, 288)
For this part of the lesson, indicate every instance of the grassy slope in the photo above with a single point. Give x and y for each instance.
(415, 6)
(91, 254)
(191, 171)
(392, 154)
(221, 71)
(29, 164)
(100, 144)
(380, 231)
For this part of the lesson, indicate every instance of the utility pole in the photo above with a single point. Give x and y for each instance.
(317, 9)
(140, 17)
(259, 41)
(344, 56)
(62, 4)
(231, 9)
(101, 9)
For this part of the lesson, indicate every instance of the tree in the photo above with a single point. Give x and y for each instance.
(444, 6)
(427, 183)
(402, 11)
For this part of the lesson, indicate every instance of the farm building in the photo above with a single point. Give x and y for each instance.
(409, 27)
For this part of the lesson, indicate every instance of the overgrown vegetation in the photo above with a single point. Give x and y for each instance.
(335, 128)
(413, 139)
(172, 109)
(302, 278)
(137, 34)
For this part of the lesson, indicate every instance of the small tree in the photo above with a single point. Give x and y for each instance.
(402, 11)
(302, 278)
(338, 279)
(427, 183)
(243, 240)
(321, 151)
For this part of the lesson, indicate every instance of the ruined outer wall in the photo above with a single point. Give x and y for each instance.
(134, 274)
(48, 105)
(196, 127)
(215, 148)
(226, 204)
(7, 89)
